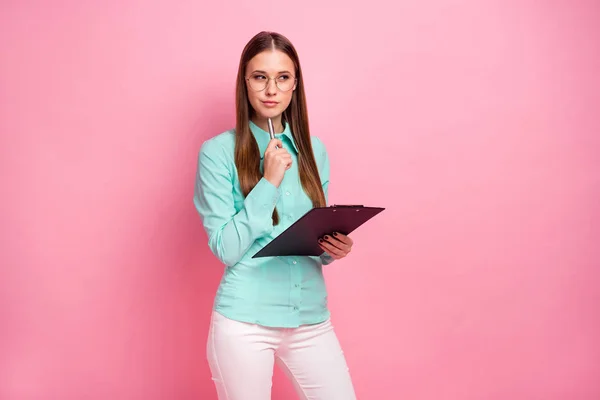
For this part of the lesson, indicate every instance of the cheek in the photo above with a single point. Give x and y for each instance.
(251, 95)
(287, 98)
(253, 99)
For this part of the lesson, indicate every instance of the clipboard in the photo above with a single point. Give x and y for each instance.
(301, 238)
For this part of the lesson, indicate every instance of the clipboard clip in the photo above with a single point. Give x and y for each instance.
(347, 206)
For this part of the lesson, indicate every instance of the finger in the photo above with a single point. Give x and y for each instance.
(273, 143)
(281, 152)
(337, 243)
(343, 238)
(287, 161)
(330, 249)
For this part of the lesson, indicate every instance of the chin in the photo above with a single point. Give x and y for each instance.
(270, 112)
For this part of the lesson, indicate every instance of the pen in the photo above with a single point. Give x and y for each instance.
(271, 130)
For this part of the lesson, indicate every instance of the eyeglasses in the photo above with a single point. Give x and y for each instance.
(258, 82)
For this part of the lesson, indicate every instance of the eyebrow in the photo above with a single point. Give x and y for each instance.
(264, 72)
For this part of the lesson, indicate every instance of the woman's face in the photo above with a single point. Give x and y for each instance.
(268, 70)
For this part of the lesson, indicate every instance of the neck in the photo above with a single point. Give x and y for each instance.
(262, 123)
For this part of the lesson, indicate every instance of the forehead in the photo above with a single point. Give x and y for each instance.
(271, 61)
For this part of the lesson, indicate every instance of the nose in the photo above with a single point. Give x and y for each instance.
(271, 87)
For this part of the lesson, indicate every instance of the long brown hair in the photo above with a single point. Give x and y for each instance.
(247, 154)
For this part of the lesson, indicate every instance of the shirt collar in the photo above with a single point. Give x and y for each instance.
(262, 137)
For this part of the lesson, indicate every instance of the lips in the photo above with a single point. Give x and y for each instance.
(270, 103)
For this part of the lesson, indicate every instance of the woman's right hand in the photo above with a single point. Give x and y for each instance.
(277, 161)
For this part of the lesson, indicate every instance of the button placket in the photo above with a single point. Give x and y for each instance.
(295, 279)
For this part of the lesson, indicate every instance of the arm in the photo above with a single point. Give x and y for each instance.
(230, 234)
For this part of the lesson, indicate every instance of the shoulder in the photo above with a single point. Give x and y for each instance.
(318, 146)
(319, 149)
(217, 154)
(219, 147)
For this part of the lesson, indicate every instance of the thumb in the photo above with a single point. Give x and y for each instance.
(273, 143)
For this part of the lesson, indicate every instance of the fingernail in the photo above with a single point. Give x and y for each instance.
(326, 237)
(320, 240)
(334, 233)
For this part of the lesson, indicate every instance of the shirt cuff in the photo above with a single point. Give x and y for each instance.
(259, 204)
(265, 194)
(326, 259)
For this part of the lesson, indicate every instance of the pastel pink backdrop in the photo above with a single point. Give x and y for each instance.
(475, 123)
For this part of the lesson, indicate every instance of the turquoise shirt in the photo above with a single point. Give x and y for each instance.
(271, 291)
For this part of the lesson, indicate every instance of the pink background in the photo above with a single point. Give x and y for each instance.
(475, 123)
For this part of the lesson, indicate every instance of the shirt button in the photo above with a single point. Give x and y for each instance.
(296, 308)
(294, 262)
(287, 193)
(296, 285)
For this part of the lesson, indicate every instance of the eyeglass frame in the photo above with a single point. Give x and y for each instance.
(267, 84)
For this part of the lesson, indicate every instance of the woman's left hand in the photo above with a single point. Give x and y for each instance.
(337, 246)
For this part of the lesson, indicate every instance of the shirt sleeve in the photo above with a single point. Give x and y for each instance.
(323, 158)
(230, 233)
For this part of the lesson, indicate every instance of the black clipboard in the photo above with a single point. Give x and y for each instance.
(301, 238)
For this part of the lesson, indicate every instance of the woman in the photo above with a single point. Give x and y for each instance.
(249, 189)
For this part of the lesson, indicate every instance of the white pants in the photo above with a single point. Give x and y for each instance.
(242, 356)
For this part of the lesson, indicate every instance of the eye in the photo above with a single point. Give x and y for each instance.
(284, 77)
(258, 77)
